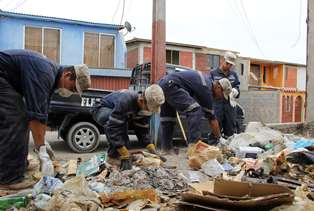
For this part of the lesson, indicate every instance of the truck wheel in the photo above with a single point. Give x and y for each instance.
(83, 137)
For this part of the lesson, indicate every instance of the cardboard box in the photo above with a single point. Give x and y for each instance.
(233, 195)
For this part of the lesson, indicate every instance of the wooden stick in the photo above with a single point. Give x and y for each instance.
(182, 129)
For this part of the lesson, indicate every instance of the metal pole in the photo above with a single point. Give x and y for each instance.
(158, 40)
(158, 53)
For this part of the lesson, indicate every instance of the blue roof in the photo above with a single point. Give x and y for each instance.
(59, 20)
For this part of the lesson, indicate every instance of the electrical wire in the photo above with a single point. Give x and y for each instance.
(129, 8)
(299, 32)
(122, 12)
(115, 12)
(18, 5)
(251, 28)
(244, 18)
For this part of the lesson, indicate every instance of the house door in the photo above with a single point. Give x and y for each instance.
(298, 109)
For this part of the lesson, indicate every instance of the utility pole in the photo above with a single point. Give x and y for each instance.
(158, 40)
(310, 64)
(158, 66)
(309, 103)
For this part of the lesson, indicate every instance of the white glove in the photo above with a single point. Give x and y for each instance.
(46, 166)
(50, 151)
(234, 92)
(232, 95)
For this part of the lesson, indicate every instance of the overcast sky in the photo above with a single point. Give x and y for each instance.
(266, 29)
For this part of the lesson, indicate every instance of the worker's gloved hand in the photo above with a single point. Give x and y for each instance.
(126, 164)
(234, 93)
(50, 151)
(46, 166)
(152, 149)
(125, 158)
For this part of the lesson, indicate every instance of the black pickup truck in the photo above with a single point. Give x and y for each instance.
(72, 118)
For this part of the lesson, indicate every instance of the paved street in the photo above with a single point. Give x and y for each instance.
(62, 151)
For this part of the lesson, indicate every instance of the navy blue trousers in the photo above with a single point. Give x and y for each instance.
(178, 99)
(14, 134)
(226, 116)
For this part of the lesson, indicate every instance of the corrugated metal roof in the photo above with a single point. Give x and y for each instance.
(59, 20)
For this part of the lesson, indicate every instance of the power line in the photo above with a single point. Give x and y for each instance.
(18, 5)
(251, 28)
(299, 32)
(122, 12)
(115, 12)
(129, 8)
(245, 20)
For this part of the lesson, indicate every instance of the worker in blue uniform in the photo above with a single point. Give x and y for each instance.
(27, 80)
(119, 108)
(190, 92)
(225, 110)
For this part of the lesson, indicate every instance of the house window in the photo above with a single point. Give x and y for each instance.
(286, 74)
(98, 50)
(255, 75)
(43, 40)
(172, 57)
(213, 60)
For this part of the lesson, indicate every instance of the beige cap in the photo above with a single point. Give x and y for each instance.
(154, 97)
(83, 81)
(230, 58)
(226, 87)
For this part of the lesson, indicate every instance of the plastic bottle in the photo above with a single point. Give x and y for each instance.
(13, 201)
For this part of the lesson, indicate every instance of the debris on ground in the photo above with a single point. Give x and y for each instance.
(241, 195)
(259, 169)
(201, 152)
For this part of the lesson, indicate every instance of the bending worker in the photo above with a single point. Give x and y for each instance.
(27, 80)
(190, 92)
(225, 108)
(117, 109)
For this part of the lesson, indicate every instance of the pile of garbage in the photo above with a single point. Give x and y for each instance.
(256, 169)
(96, 185)
(260, 169)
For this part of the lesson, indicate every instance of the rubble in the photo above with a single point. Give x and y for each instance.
(282, 164)
(165, 180)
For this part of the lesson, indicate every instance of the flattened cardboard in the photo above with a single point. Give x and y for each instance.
(241, 195)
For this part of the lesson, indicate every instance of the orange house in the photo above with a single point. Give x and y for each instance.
(288, 79)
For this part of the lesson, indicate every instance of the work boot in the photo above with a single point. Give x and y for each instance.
(113, 153)
(126, 163)
(151, 149)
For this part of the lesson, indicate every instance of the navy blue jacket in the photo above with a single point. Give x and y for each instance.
(232, 76)
(31, 75)
(124, 109)
(198, 85)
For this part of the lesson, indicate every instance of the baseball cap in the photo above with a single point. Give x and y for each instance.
(83, 81)
(226, 87)
(230, 58)
(154, 97)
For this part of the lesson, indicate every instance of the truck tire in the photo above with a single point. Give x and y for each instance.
(83, 137)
